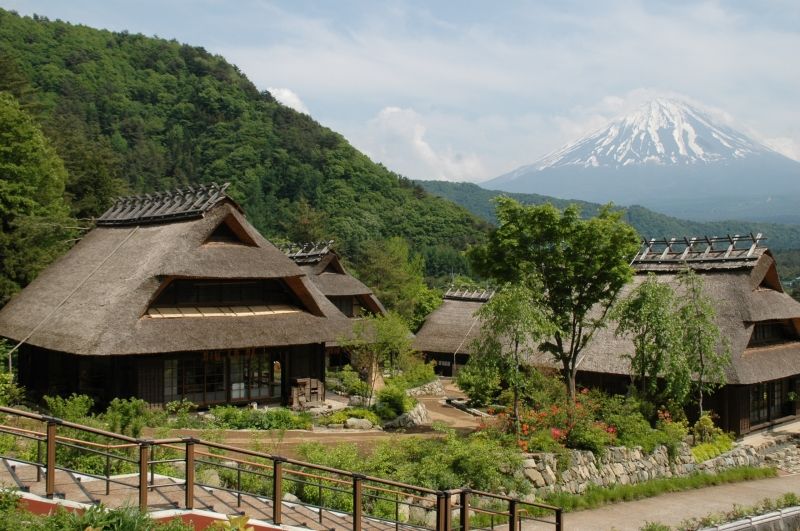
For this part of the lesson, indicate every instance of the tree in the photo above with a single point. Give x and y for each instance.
(513, 322)
(34, 213)
(377, 341)
(707, 353)
(396, 276)
(581, 263)
(649, 316)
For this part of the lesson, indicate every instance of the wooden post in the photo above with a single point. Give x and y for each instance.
(50, 459)
(357, 501)
(144, 458)
(190, 474)
(559, 519)
(442, 511)
(464, 510)
(277, 490)
(513, 515)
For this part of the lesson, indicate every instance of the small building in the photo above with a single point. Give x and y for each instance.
(760, 322)
(324, 268)
(448, 332)
(329, 277)
(172, 295)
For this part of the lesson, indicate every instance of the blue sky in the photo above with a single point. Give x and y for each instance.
(468, 90)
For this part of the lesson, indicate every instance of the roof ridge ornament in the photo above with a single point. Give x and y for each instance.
(308, 252)
(463, 293)
(700, 249)
(171, 205)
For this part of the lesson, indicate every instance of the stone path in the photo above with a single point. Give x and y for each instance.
(674, 508)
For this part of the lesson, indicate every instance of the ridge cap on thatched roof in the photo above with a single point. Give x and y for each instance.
(309, 252)
(463, 293)
(699, 252)
(159, 207)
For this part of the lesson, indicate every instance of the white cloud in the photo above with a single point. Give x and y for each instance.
(289, 98)
(397, 137)
(785, 146)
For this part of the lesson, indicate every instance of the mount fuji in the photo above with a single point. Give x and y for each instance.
(671, 157)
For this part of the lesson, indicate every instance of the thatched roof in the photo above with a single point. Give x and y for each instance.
(451, 328)
(126, 266)
(328, 274)
(744, 291)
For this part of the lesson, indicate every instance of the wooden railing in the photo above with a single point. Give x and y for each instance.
(323, 488)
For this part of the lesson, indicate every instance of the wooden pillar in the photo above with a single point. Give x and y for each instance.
(190, 474)
(442, 511)
(144, 458)
(50, 459)
(277, 490)
(513, 515)
(357, 501)
(464, 509)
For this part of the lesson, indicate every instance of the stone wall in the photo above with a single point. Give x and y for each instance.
(434, 388)
(623, 466)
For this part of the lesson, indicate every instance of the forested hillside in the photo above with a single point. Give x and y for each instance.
(648, 223)
(127, 113)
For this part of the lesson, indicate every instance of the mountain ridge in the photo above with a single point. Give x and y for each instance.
(648, 223)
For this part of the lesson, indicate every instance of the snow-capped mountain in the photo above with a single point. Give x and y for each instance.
(669, 156)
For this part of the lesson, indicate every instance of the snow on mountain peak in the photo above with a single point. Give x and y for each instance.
(661, 132)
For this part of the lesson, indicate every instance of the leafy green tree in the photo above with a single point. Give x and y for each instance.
(377, 341)
(396, 277)
(707, 354)
(649, 316)
(581, 263)
(513, 323)
(34, 214)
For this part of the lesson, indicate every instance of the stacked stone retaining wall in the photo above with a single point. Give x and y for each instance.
(623, 466)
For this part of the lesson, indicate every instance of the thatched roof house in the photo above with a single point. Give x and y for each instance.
(759, 320)
(325, 270)
(172, 295)
(448, 332)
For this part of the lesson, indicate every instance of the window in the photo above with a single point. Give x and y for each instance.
(771, 400)
(345, 305)
(183, 293)
(771, 332)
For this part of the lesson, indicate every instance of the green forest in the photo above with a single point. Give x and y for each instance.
(88, 115)
(115, 113)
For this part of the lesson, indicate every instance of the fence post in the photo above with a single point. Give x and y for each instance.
(357, 501)
(464, 509)
(277, 489)
(513, 515)
(189, 502)
(442, 511)
(38, 460)
(50, 458)
(559, 519)
(144, 462)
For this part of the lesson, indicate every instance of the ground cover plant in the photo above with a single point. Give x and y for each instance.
(597, 496)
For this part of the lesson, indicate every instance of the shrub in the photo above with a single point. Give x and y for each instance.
(415, 373)
(719, 445)
(75, 408)
(341, 416)
(347, 381)
(393, 402)
(230, 417)
(704, 430)
(481, 380)
(126, 416)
